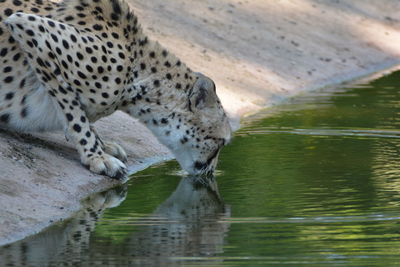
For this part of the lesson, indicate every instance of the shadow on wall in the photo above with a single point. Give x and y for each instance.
(184, 225)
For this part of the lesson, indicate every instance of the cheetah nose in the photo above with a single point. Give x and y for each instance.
(202, 168)
(209, 165)
(200, 165)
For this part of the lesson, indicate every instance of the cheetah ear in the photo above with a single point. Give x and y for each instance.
(203, 94)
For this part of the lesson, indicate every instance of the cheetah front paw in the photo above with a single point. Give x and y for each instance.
(107, 165)
(115, 150)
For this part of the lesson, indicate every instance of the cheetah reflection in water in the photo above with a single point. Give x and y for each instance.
(187, 224)
(67, 64)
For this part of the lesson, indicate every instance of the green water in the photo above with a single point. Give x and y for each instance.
(313, 182)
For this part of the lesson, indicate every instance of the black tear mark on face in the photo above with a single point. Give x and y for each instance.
(190, 105)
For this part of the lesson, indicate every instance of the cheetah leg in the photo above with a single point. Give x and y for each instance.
(92, 153)
(111, 148)
(80, 132)
(33, 35)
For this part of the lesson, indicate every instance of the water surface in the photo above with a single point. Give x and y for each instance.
(313, 182)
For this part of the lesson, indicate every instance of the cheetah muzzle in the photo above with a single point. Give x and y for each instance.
(67, 64)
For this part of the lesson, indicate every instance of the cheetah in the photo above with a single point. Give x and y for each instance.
(67, 64)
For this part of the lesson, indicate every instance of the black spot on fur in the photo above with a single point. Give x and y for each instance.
(8, 12)
(17, 2)
(7, 69)
(77, 128)
(5, 118)
(81, 75)
(97, 27)
(115, 35)
(69, 18)
(89, 50)
(16, 57)
(30, 33)
(89, 68)
(73, 38)
(65, 44)
(9, 96)
(79, 55)
(24, 112)
(51, 23)
(22, 83)
(8, 79)
(3, 52)
(69, 117)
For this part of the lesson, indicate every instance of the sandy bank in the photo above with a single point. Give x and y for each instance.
(258, 52)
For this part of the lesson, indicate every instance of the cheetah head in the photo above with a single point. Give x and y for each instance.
(199, 129)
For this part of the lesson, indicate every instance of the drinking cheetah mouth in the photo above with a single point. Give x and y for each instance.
(207, 168)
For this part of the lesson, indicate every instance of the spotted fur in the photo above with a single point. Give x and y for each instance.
(67, 64)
